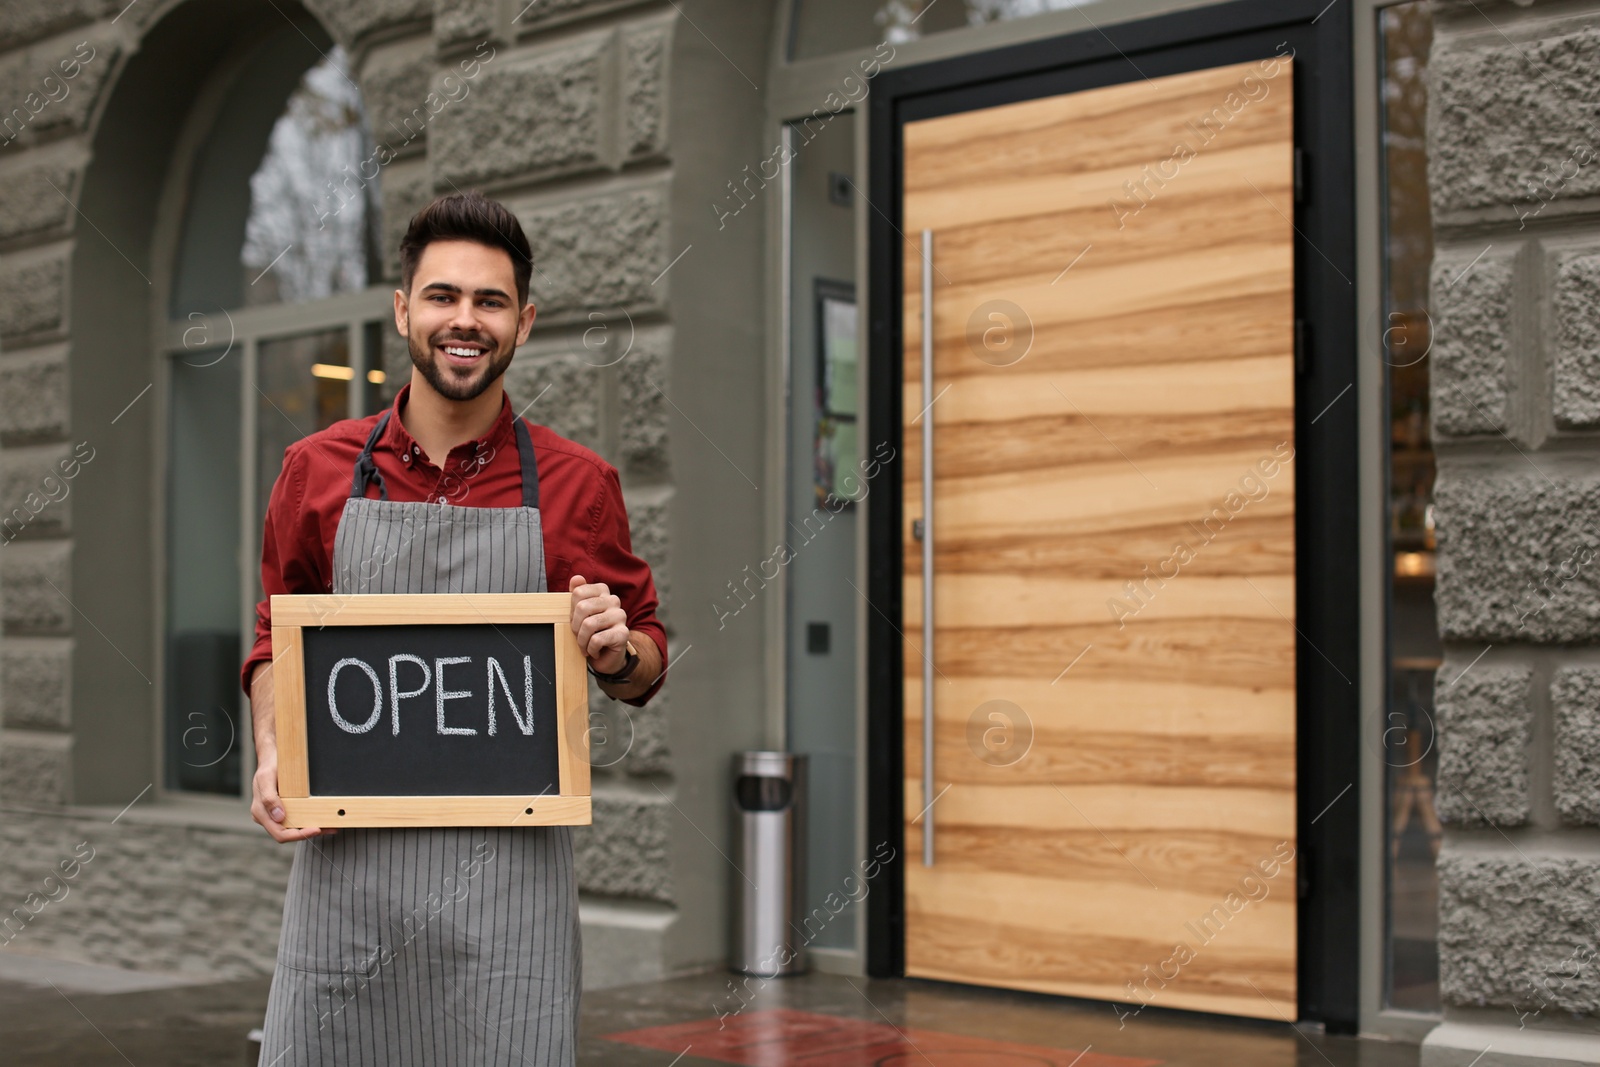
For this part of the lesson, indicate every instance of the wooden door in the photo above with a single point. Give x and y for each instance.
(1113, 657)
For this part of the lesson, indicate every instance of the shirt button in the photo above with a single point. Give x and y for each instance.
(406, 459)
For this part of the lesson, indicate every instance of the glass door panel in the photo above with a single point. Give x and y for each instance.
(302, 386)
(204, 640)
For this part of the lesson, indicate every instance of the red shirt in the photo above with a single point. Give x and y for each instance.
(585, 525)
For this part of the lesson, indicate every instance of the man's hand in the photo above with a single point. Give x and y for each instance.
(267, 810)
(265, 807)
(600, 623)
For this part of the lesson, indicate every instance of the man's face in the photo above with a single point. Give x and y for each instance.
(461, 319)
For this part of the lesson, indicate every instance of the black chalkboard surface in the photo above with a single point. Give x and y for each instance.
(431, 710)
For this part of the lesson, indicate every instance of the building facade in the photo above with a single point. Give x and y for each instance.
(200, 206)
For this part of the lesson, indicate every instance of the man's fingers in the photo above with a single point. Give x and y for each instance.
(267, 794)
(599, 645)
(609, 620)
(286, 835)
(583, 590)
(266, 808)
(594, 604)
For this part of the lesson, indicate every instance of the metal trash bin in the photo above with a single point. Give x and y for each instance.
(769, 795)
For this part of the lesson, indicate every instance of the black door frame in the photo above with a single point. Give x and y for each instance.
(1327, 523)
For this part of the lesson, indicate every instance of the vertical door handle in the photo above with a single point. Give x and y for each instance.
(927, 548)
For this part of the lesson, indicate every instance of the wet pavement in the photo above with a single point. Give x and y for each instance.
(69, 1016)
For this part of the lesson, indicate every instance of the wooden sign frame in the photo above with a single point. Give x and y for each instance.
(293, 614)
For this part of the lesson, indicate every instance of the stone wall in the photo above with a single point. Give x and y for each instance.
(55, 69)
(1514, 165)
(147, 896)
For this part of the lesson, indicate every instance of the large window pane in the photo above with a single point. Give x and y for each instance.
(203, 611)
(1410, 757)
(312, 210)
(303, 385)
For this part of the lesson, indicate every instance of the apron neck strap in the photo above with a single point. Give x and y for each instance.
(367, 473)
(366, 470)
(530, 469)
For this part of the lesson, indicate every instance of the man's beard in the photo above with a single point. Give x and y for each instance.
(444, 379)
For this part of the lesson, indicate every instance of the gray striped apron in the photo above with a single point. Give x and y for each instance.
(430, 946)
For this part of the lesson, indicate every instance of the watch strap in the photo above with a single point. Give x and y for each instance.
(630, 661)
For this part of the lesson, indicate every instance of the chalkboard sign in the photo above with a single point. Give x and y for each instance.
(430, 710)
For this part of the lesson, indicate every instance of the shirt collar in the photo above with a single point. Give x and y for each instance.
(397, 438)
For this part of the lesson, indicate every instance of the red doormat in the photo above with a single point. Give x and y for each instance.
(779, 1036)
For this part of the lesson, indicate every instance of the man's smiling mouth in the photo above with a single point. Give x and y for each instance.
(462, 353)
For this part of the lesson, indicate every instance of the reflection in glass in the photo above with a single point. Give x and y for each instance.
(821, 27)
(203, 651)
(313, 199)
(819, 564)
(304, 386)
(837, 450)
(1410, 755)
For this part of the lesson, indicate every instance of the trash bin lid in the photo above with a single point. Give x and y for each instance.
(763, 764)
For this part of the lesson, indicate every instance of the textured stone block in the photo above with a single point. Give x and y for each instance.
(35, 582)
(528, 17)
(529, 118)
(33, 197)
(1519, 558)
(652, 749)
(1519, 932)
(1575, 707)
(30, 20)
(465, 22)
(35, 767)
(54, 84)
(33, 395)
(36, 682)
(600, 253)
(35, 493)
(1575, 370)
(170, 898)
(1471, 343)
(625, 740)
(645, 49)
(564, 394)
(395, 83)
(642, 378)
(1483, 723)
(649, 513)
(351, 19)
(626, 852)
(1511, 124)
(38, 287)
(406, 191)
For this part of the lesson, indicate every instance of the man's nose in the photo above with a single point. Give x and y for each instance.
(464, 318)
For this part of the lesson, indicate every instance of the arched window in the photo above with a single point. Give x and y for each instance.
(274, 332)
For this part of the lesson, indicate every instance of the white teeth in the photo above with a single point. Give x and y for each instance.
(467, 352)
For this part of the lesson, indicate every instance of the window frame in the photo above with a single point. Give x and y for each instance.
(1374, 549)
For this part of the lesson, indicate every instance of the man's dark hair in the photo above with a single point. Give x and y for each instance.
(468, 216)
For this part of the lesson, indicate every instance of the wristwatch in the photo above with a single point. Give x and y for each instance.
(621, 675)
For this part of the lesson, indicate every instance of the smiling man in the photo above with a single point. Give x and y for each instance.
(427, 946)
